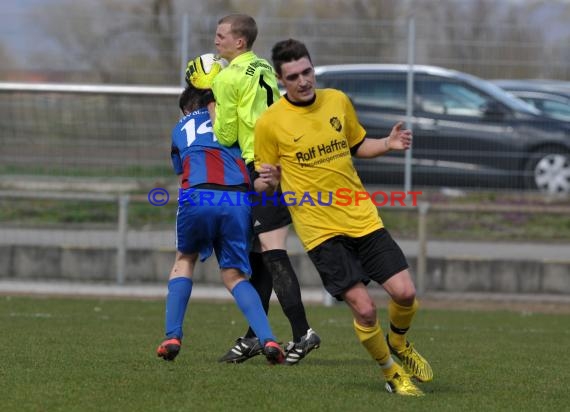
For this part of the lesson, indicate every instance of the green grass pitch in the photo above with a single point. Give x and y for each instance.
(61, 354)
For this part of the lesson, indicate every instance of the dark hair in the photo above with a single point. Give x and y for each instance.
(286, 51)
(242, 25)
(193, 98)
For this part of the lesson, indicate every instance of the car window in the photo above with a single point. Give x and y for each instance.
(558, 110)
(507, 99)
(386, 92)
(446, 97)
(533, 102)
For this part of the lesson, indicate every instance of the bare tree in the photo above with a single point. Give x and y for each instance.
(138, 41)
(482, 37)
(115, 41)
(7, 60)
(555, 59)
(357, 31)
(163, 31)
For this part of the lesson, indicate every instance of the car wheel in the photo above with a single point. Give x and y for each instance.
(548, 170)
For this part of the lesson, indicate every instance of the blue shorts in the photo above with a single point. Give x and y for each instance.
(215, 220)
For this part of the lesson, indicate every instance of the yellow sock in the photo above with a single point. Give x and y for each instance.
(373, 340)
(400, 321)
(390, 368)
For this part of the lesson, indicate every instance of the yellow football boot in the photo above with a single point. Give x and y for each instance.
(413, 363)
(401, 383)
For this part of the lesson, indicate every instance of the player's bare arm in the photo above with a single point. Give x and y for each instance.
(268, 180)
(398, 139)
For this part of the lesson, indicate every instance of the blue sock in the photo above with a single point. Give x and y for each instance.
(179, 290)
(249, 303)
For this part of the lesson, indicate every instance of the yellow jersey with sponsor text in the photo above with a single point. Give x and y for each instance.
(319, 182)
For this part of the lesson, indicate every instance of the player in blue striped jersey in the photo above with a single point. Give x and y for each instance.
(199, 159)
(205, 166)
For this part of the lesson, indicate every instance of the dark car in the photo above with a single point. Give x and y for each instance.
(467, 131)
(551, 97)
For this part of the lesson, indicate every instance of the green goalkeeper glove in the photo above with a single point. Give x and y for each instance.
(200, 71)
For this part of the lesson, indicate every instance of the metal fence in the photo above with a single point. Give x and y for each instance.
(99, 45)
(86, 130)
(61, 114)
(123, 255)
(117, 131)
(105, 131)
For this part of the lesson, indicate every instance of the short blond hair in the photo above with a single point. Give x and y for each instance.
(242, 25)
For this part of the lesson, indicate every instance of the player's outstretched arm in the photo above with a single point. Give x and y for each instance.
(398, 139)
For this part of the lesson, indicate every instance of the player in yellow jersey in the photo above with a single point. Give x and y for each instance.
(306, 141)
(244, 90)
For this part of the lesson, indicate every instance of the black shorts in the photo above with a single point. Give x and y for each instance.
(343, 261)
(268, 213)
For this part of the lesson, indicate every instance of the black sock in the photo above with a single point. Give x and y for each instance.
(262, 282)
(287, 289)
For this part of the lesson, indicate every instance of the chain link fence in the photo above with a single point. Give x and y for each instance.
(101, 45)
(62, 114)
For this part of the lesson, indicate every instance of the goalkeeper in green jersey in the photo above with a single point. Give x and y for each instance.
(243, 91)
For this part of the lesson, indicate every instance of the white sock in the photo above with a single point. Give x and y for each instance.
(388, 364)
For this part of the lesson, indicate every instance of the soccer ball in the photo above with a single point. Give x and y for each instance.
(200, 71)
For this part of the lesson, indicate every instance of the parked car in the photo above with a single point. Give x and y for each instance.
(467, 131)
(551, 97)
